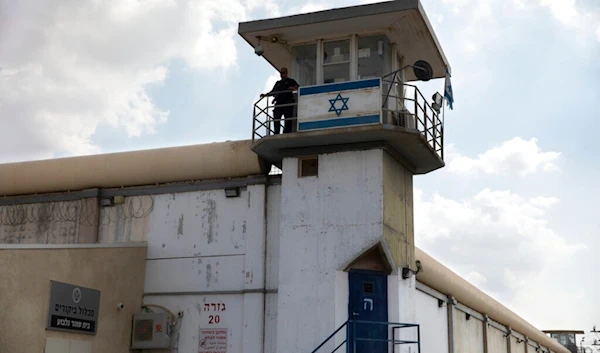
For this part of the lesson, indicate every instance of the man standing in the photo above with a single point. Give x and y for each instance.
(284, 101)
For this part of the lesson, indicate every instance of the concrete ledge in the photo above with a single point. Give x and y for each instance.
(71, 246)
(406, 145)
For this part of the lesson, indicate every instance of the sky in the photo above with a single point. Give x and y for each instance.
(514, 210)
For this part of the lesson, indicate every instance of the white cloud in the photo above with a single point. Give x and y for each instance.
(516, 156)
(544, 202)
(496, 238)
(68, 66)
(566, 12)
(475, 278)
(456, 5)
(562, 10)
(598, 33)
(470, 47)
(313, 7)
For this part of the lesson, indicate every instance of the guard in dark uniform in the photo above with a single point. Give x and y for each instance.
(284, 101)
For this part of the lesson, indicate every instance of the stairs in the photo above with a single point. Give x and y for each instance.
(356, 336)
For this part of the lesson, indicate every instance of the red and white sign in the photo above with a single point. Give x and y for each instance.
(213, 340)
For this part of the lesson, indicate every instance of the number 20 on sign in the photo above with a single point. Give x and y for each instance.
(219, 307)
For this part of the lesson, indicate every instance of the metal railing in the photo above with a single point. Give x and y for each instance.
(263, 123)
(404, 105)
(351, 339)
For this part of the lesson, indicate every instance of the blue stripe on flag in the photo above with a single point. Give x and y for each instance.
(323, 124)
(343, 86)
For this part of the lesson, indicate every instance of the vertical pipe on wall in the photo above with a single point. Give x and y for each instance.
(265, 269)
(486, 334)
(450, 306)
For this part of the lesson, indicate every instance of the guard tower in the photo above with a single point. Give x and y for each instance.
(361, 130)
(566, 337)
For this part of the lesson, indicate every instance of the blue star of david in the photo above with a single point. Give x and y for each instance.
(339, 98)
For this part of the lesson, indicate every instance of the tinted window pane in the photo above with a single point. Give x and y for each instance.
(336, 73)
(374, 57)
(305, 70)
(335, 52)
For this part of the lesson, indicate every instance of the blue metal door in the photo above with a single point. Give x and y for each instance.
(368, 302)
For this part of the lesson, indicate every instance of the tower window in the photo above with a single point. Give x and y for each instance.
(309, 166)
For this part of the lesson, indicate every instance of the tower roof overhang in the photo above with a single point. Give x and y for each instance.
(403, 21)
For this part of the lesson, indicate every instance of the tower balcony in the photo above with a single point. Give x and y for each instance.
(377, 112)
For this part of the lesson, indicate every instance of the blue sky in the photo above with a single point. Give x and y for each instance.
(519, 190)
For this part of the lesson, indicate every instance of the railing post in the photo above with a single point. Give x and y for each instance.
(425, 120)
(435, 127)
(348, 336)
(253, 122)
(419, 338)
(353, 337)
(268, 121)
(442, 138)
(416, 108)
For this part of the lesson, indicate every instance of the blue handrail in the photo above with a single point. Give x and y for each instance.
(351, 340)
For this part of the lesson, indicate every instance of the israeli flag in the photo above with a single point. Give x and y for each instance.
(448, 90)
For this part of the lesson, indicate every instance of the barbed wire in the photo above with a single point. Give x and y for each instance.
(83, 211)
(133, 207)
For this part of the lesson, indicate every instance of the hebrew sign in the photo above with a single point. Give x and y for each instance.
(73, 308)
(213, 340)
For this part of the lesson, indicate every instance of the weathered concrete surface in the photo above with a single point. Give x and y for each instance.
(318, 238)
(468, 334)
(273, 235)
(117, 272)
(127, 222)
(445, 281)
(434, 324)
(517, 345)
(67, 222)
(272, 279)
(201, 243)
(239, 314)
(497, 343)
(398, 219)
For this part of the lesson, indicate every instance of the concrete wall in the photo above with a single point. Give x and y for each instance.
(273, 234)
(517, 345)
(497, 342)
(117, 272)
(129, 221)
(203, 249)
(398, 216)
(468, 333)
(66, 222)
(318, 238)
(434, 323)
(267, 266)
(471, 331)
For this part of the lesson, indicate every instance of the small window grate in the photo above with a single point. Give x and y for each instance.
(309, 166)
(367, 287)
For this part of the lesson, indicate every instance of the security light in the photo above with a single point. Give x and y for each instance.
(232, 192)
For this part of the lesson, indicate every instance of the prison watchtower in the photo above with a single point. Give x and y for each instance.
(356, 68)
(360, 130)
